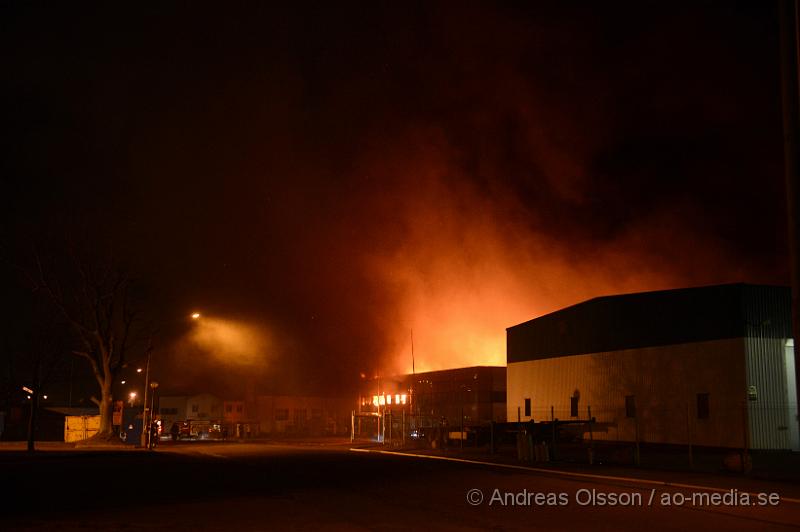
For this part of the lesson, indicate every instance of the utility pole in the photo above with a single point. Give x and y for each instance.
(154, 386)
(145, 436)
(412, 402)
(790, 96)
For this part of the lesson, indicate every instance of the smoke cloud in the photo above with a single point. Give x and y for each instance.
(467, 261)
(324, 181)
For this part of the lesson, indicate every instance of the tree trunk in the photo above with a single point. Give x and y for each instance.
(106, 410)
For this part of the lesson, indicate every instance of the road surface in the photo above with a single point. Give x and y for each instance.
(235, 486)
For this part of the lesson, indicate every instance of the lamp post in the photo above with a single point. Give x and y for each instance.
(153, 386)
(145, 429)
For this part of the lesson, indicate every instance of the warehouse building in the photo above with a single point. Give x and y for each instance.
(477, 393)
(711, 366)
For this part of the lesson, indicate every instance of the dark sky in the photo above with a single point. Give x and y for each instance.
(322, 180)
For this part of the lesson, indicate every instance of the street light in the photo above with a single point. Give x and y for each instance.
(195, 315)
(145, 426)
(153, 386)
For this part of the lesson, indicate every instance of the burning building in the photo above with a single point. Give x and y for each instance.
(711, 366)
(474, 395)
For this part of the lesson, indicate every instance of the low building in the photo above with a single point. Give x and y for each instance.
(302, 415)
(53, 423)
(478, 393)
(711, 366)
(174, 408)
(238, 419)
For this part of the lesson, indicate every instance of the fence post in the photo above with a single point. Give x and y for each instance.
(553, 426)
(591, 436)
(746, 434)
(689, 434)
(404, 427)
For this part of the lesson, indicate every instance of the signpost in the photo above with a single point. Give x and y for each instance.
(117, 415)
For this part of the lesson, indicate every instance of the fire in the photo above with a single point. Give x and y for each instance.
(470, 262)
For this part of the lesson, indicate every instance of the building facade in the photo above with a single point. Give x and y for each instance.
(302, 415)
(478, 393)
(710, 366)
(179, 408)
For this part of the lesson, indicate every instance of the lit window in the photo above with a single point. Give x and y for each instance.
(403, 398)
(375, 400)
(389, 399)
(382, 400)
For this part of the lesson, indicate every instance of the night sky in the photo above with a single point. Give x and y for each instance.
(319, 181)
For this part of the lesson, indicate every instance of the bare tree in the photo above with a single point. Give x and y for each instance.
(95, 301)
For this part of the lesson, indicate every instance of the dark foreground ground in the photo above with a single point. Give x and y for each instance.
(238, 486)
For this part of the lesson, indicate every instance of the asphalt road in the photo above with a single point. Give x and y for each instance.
(273, 487)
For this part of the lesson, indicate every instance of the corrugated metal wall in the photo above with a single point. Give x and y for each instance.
(664, 348)
(77, 428)
(768, 413)
(664, 380)
(767, 329)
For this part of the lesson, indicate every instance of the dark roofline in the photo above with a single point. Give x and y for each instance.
(464, 368)
(656, 318)
(664, 291)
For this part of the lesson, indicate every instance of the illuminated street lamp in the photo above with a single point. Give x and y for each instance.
(153, 386)
(131, 398)
(195, 315)
(145, 426)
(138, 370)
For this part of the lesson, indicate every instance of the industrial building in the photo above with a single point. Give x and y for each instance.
(711, 366)
(179, 408)
(477, 393)
(302, 415)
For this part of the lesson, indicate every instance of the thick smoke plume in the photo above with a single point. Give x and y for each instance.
(468, 261)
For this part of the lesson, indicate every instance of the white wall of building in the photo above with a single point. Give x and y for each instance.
(664, 380)
(772, 405)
